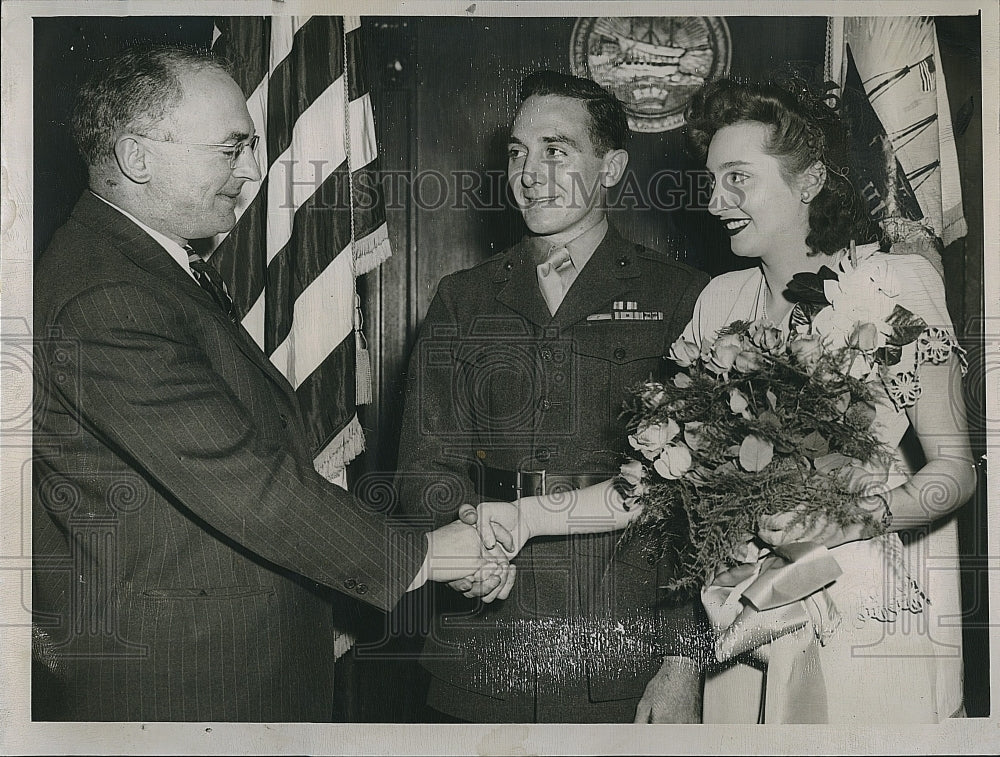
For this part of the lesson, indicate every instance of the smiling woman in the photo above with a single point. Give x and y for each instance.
(778, 155)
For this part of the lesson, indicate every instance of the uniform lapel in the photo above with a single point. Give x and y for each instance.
(608, 274)
(517, 286)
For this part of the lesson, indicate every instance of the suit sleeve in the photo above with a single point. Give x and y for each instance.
(433, 474)
(142, 383)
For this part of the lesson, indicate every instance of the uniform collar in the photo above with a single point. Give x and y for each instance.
(581, 247)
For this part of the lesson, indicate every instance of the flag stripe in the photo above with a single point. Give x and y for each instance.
(310, 249)
(319, 132)
(323, 317)
(241, 256)
(307, 72)
(356, 86)
(313, 154)
(325, 391)
(291, 259)
(242, 43)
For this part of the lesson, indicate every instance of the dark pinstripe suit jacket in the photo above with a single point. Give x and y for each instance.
(184, 547)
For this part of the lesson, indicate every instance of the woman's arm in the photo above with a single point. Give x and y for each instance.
(595, 509)
(944, 483)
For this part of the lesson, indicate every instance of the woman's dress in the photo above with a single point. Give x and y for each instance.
(895, 655)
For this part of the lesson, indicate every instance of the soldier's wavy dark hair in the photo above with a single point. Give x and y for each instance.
(608, 125)
(805, 128)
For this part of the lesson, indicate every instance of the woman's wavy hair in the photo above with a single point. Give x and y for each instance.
(805, 128)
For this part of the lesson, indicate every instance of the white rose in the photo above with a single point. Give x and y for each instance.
(651, 440)
(673, 462)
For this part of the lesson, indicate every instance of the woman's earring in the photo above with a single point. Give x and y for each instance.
(805, 197)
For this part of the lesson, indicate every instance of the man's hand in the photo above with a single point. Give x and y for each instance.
(673, 695)
(456, 555)
(499, 523)
(496, 522)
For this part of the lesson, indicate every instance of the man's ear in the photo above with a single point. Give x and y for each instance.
(132, 157)
(615, 163)
(812, 181)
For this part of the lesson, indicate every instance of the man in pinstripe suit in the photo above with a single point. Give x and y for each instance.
(185, 551)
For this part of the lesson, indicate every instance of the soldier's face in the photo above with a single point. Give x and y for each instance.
(558, 180)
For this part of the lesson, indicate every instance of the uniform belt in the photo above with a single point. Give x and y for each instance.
(506, 485)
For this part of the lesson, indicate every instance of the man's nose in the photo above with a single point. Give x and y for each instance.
(246, 166)
(534, 171)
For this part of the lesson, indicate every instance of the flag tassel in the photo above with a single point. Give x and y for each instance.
(362, 360)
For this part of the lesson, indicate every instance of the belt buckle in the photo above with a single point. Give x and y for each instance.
(541, 473)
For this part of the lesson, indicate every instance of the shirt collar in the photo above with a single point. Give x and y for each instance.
(176, 251)
(581, 247)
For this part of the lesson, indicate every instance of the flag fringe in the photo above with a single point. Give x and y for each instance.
(343, 448)
(372, 250)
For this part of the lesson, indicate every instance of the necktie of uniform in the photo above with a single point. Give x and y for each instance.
(213, 283)
(552, 277)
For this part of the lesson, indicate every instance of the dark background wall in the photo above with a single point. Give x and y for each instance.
(444, 91)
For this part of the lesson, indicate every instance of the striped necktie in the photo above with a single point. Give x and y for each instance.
(212, 282)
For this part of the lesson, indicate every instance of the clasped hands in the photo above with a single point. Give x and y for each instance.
(472, 554)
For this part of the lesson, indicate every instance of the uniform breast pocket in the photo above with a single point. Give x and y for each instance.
(613, 357)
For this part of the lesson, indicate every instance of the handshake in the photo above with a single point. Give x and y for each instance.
(472, 554)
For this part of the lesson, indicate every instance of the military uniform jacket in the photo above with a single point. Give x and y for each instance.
(495, 380)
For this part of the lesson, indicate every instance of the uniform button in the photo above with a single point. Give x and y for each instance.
(546, 405)
(362, 589)
(620, 353)
(350, 583)
(559, 377)
(622, 262)
(284, 420)
(543, 455)
(546, 353)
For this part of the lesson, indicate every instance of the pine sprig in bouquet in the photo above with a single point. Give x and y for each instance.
(752, 425)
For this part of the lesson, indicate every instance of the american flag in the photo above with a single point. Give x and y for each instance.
(314, 222)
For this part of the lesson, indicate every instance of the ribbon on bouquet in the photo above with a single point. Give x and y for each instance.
(778, 611)
(755, 603)
(790, 573)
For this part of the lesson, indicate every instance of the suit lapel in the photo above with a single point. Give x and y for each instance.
(147, 253)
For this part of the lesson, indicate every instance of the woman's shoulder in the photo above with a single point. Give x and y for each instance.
(729, 284)
(913, 282)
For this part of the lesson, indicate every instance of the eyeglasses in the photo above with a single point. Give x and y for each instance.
(233, 152)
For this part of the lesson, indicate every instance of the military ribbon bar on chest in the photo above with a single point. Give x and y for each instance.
(627, 310)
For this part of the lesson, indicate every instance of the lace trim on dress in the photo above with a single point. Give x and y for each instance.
(900, 591)
(934, 345)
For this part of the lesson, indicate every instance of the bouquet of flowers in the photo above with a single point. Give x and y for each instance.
(755, 424)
